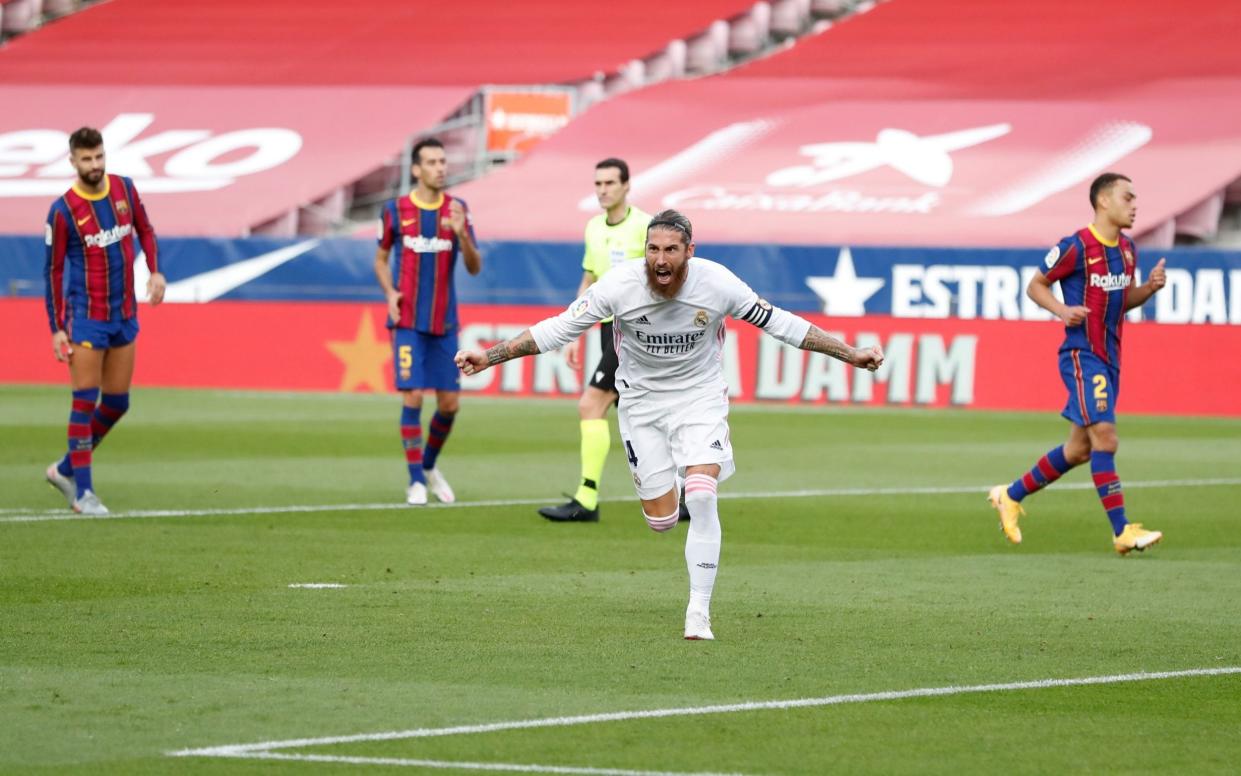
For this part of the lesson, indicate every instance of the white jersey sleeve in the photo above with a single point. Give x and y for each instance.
(585, 311)
(750, 307)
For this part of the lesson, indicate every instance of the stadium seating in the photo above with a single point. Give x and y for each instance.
(298, 47)
(20, 16)
(849, 136)
(911, 67)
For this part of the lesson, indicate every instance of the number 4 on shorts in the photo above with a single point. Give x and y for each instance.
(633, 457)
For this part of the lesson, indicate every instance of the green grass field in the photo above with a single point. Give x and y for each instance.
(122, 640)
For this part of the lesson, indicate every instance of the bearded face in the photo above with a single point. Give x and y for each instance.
(89, 164)
(667, 261)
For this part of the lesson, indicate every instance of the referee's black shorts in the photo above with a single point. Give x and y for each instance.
(604, 375)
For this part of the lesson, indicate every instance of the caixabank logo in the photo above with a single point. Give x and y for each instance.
(35, 163)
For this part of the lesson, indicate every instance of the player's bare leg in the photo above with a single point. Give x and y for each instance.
(702, 540)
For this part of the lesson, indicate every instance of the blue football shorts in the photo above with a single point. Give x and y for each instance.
(1093, 386)
(101, 335)
(422, 360)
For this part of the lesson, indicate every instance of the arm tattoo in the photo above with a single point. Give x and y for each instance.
(521, 345)
(819, 341)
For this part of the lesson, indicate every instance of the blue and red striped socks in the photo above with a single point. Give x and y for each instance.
(441, 425)
(80, 437)
(1107, 483)
(411, 439)
(111, 407)
(1049, 468)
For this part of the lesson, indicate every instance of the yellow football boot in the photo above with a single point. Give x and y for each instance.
(1010, 511)
(1135, 537)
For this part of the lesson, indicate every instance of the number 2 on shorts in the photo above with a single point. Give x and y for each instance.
(1100, 387)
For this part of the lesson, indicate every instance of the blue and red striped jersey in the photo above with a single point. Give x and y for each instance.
(1096, 274)
(90, 253)
(423, 267)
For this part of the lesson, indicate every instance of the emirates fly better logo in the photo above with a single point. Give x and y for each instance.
(34, 162)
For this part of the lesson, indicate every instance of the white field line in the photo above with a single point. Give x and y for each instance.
(265, 748)
(61, 514)
(464, 766)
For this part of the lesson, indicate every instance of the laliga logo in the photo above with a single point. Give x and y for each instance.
(925, 159)
(196, 165)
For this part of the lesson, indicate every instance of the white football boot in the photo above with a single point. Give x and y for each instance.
(89, 504)
(416, 494)
(439, 486)
(62, 483)
(698, 626)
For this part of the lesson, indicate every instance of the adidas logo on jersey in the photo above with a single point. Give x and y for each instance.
(717, 446)
(422, 244)
(643, 321)
(1110, 282)
(107, 237)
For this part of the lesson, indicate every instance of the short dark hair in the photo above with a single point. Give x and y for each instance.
(426, 142)
(671, 219)
(619, 164)
(85, 137)
(1103, 183)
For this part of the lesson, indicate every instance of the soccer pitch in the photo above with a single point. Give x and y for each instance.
(869, 616)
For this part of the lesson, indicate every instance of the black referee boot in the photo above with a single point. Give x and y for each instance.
(570, 512)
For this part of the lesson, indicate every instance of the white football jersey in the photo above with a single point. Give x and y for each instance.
(668, 345)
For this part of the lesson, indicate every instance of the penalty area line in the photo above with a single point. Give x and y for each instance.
(266, 748)
(60, 515)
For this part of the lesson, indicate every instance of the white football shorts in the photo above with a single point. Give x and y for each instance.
(663, 436)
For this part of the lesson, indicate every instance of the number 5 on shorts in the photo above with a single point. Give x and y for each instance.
(405, 356)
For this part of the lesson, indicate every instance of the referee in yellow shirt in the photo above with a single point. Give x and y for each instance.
(616, 235)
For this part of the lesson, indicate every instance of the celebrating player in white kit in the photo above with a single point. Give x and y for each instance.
(669, 316)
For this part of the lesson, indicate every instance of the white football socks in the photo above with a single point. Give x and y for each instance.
(702, 541)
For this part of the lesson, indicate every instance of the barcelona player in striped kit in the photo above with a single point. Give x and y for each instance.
(1095, 269)
(428, 229)
(91, 305)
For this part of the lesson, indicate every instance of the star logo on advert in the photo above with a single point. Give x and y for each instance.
(843, 293)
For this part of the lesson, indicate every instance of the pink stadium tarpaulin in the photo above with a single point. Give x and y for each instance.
(208, 161)
(757, 160)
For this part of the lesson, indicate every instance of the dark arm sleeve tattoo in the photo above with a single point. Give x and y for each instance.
(819, 341)
(521, 345)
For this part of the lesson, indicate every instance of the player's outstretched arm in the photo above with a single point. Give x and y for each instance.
(819, 341)
(471, 362)
(795, 330)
